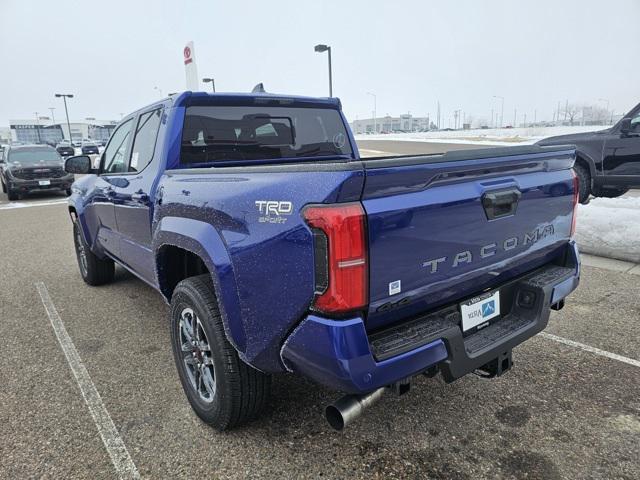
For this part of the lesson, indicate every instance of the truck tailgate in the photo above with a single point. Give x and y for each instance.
(443, 228)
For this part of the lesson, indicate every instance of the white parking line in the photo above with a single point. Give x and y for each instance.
(12, 205)
(588, 348)
(108, 432)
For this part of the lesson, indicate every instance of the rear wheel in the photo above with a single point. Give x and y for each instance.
(95, 271)
(584, 182)
(222, 389)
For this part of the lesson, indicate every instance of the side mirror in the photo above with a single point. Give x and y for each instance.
(625, 126)
(79, 164)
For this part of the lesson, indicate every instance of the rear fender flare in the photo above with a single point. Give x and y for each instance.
(203, 240)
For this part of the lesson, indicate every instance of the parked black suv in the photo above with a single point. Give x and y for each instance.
(608, 161)
(65, 149)
(33, 167)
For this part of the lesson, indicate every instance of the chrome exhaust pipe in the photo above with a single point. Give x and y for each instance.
(346, 409)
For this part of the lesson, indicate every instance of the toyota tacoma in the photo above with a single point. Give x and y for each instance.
(279, 249)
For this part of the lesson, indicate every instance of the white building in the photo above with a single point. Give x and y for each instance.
(45, 131)
(388, 124)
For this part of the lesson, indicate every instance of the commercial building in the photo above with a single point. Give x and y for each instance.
(388, 124)
(44, 131)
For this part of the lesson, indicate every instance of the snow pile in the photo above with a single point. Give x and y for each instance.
(610, 227)
(491, 136)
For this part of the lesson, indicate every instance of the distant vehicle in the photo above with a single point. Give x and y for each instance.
(65, 149)
(77, 142)
(280, 249)
(607, 161)
(33, 167)
(89, 147)
(509, 126)
(484, 127)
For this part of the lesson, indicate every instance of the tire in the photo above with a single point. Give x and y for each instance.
(94, 271)
(229, 392)
(68, 192)
(12, 196)
(584, 182)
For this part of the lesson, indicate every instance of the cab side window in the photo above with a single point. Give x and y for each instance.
(144, 143)
(114, 156)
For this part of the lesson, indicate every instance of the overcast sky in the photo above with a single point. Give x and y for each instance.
(111, 54)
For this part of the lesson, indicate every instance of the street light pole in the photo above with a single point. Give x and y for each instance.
(53, 117)
(66, 110)
(38, 127)
(501, 110)
(326, 48)
(212, 81)
(375, 113)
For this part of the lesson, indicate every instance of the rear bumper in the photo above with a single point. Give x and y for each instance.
(341, 355)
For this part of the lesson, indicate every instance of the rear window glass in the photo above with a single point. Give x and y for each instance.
(216, 134)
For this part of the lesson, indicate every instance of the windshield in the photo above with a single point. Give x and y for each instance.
(215, 134)
(26, 156)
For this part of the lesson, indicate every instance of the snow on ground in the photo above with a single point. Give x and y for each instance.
(491, 136)
(610, 227)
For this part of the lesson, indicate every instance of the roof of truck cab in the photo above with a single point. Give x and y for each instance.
(230, 98)
(189, 98)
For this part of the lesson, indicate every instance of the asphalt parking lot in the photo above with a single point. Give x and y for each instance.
(563, 411)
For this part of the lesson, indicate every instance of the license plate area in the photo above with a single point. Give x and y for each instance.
(44, 183)
(480, 311)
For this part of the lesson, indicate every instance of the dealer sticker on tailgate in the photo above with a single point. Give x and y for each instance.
(480, 309)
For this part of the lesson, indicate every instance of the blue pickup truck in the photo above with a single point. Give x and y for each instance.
(279, 249)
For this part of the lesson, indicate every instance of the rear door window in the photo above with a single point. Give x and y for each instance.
(217, 134)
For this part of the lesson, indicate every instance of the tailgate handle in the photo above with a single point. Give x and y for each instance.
(501, 203)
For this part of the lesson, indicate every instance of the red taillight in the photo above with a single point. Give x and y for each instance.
(576, 195)
(344, 256)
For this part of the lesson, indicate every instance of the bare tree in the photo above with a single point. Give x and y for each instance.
(571, 111)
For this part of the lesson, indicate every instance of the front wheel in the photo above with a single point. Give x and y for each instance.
(222, 390)
(584, 182)
(95, 271)
(68, 192)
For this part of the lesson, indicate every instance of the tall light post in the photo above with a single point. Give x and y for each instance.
(375, 113)
(66, 111)
(37, 126)
(606, 100)
(326, 48)
(501, 109)
(53, 117)
(212, 81)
